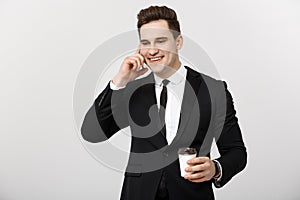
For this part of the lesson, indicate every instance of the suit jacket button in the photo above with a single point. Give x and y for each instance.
(166, 154)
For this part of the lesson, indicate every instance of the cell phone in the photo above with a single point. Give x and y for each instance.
(144, 61)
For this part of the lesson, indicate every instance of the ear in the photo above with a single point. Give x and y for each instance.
(179, 42)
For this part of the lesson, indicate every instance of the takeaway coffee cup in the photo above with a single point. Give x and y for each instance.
(184, 155)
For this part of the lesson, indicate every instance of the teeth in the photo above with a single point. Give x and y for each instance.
(155, 59)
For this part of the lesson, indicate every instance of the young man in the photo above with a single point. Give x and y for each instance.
(172, 107)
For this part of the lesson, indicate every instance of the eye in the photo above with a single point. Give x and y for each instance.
(145, 43)
(161, 40)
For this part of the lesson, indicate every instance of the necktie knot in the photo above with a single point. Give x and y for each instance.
(165, 82)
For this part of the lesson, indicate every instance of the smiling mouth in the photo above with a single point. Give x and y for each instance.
(155, 59)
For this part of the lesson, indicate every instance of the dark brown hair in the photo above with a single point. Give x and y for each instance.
(153, 13)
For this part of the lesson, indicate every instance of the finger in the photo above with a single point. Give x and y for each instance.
(138, 61)
(195, 176)
(142, 71)
(195, 168)
(138, 53)
(132, 62)
(141, 58)
(198, 160)
(138, 50)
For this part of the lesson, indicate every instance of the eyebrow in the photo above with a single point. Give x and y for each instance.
(159, 38)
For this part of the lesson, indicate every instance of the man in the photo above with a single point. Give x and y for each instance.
(172, 107)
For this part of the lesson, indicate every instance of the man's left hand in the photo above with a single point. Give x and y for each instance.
(202, 169)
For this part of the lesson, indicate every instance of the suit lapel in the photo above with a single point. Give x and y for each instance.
(191, 89)
(142, 101)
(158, 140)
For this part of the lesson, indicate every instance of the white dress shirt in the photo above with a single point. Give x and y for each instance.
(175, 90)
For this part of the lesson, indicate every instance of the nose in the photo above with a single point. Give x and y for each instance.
(152, 50)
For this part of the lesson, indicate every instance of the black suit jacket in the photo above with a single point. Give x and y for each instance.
(207, 112)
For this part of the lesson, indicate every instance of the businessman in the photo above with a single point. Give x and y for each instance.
(173, 106)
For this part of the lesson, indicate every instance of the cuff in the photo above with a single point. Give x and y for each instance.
(217, 179)
(114, 87)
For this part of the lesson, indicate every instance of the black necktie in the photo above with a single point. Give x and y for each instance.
(162, 192)
(163, 103)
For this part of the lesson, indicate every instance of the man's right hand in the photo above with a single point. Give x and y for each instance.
(130, 69)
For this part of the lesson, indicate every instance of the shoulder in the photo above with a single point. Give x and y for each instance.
(208, 80)
(215, 88)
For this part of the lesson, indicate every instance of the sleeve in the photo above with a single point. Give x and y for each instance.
(233, 155)
(107, 115)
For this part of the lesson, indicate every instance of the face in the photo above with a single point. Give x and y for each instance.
(159, 48)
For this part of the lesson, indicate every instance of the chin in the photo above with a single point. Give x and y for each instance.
(157, 68)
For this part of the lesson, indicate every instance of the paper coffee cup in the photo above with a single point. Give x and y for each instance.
(184, 155)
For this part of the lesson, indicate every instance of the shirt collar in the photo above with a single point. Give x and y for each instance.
(175, 78)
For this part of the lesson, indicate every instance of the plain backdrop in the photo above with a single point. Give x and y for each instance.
(255, 46)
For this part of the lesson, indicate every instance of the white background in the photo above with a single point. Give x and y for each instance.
(255, 46)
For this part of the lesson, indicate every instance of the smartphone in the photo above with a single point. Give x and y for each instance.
(143, 67)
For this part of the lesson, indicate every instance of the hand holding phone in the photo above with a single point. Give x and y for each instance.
(130, 69)
(143, 67)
